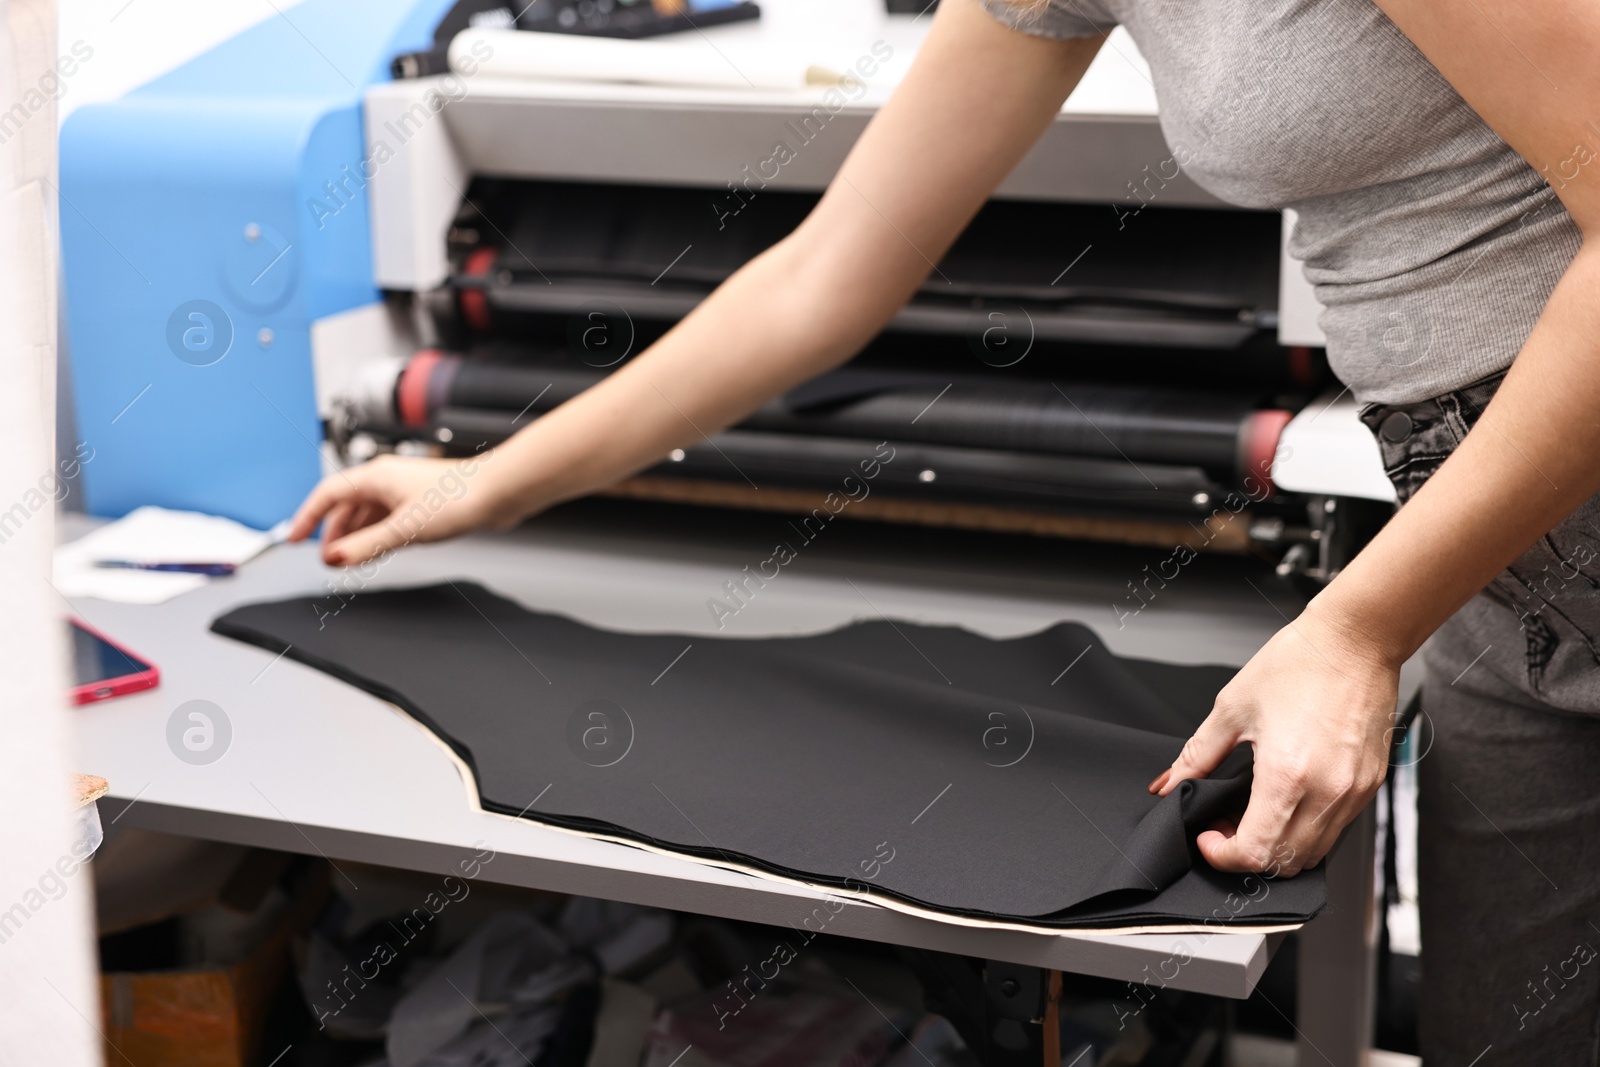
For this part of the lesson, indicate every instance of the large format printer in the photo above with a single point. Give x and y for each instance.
(364, 226)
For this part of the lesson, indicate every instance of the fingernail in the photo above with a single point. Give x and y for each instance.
(1160, 780)
(336, 559)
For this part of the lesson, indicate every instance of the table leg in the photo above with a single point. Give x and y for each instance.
(1337, 967)
(1051, 1038)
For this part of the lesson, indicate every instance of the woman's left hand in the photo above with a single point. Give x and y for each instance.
(1316, 703)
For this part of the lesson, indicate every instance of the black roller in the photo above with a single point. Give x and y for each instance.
(919, 472)
(1215, 431)
(512, 388)
(1111, 422)
(1064, 273)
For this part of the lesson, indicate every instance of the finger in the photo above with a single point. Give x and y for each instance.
(337, 523)
(367, 514)
(328, 492)
(364, 544)
(1315, 848)
(1322, 830)
(1209, 746)
(1262, 834)
(1303, 845)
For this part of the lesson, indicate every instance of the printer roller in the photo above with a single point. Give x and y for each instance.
(1149, 410)
(1224, 434)
(1069, 273)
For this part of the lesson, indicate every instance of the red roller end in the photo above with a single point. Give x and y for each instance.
(411, 392)
(474, 301)
(1258, 444)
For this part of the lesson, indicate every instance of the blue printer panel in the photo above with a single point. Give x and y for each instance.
(197, 252)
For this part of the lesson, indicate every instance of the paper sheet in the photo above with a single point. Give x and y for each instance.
(154, 535)
(686, 62)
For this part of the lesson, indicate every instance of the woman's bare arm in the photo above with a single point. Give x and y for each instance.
(977, 96)
(1316, 702)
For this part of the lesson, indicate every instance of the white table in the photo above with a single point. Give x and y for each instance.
(318, 767)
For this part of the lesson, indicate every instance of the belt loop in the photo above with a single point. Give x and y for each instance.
(1450, 405)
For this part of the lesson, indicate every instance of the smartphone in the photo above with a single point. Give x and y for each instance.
(102, 669)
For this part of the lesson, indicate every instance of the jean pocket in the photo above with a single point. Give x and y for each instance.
(1407, 468)
(1554, 587)
(1409, 460)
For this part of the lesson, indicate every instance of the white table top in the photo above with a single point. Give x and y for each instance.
(318, 767)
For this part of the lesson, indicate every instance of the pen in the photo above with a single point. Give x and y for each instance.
(215, 570)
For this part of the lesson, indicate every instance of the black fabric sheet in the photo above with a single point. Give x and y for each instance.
(999, 780)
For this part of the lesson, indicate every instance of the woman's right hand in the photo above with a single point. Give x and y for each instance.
(392, 501)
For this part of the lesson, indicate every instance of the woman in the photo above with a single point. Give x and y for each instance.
(1447, 195)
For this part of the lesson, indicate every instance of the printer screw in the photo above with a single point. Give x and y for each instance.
(362, 447)
(264, 336)
(1201, 500)
(445, 434)
(252, 233)
(928, 475)
(1010, 988)
(676, 455)
(1268, 530)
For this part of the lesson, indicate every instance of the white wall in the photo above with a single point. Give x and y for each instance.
(49, 1003)
(134, 41)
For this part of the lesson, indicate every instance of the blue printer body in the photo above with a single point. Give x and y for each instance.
(207, 220)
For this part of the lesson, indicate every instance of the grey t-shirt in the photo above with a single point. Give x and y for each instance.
(1430, 242)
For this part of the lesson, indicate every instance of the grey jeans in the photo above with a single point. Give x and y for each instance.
(1509, 784)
